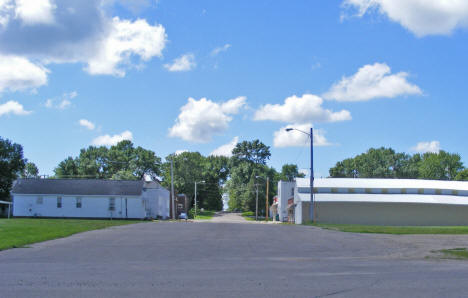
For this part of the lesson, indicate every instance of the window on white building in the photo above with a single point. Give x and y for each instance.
(111, 204)
(59, 202)
(39, 200)
(78, 202)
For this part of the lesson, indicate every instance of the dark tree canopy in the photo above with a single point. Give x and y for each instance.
(255, 152)
(12, 164)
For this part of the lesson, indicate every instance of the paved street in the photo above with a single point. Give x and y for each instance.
(227, 257)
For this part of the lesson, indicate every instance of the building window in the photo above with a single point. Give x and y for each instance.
(59, 202)
(403, 190)
(111, 204)
(384, 190)
(421, 191)
(292, 191)
(39, 200)
(78, 202)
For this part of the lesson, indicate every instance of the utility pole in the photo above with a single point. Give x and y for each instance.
(312, 203)
(256, 204)
(195, 216)
(172, 190)
(267, 204)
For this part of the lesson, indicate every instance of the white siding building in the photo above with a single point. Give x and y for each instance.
(285, 193)
(86, 198)
(383, 201)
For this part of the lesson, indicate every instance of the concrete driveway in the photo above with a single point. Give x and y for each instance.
(226, 259)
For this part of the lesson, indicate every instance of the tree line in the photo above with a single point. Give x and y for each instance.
(386, 163)
(239, 175)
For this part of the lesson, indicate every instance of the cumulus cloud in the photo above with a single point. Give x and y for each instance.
(302, 109)
(108, 140)
(294, 138)
(77, 32)
(87, 124)
(226, 149)
(372, 81)
(422, 17)
(423, 147)
(61, 103)
(178, 152)
(127, 39)
(13, 107)
(200, 119)
(18, 73)
(218, 50)
(33, 12)
(183, 63)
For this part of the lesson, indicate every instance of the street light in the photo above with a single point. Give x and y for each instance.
(266, 204)
(311, 135)
(200, 182)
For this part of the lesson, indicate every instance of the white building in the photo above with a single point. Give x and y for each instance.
(285, 194)
(86, 198)
(383, 201)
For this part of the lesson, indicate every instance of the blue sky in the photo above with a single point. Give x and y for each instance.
(364, 73)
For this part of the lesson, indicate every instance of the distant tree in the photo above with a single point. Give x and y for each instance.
(289, 172)
(12, 164)
(462, 175)
(30, 171)
(121, 161)
(67, 168)
(440, 166)
(386, 163)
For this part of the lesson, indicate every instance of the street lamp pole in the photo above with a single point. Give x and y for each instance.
(311, 135)
(256, 204)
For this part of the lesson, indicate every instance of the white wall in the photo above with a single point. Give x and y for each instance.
(91, 206)
(285, 192)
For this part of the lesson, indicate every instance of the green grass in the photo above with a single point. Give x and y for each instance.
(250, 215)
(205, 214)
(454, 253)
(18, 232)
(397, 230)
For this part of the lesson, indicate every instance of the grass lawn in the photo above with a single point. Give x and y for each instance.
(18, 232)
(397, 230)
(205, 214)
(454, 253)
(250, 215)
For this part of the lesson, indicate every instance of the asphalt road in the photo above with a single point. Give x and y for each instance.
(229, 258)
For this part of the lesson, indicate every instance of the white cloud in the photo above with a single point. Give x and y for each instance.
(13, 107)
(86, 123)
(422, 17)
(200, 119)
(32, 12)
(423, 147)
(294, 138)
(18, 73)
(226, 149)
(372, 81)
(178, 152)
(218, 50)
(302, 109)
(108, 140)
(183, 63)
(78, 32)
(127, 39)
(62, 102)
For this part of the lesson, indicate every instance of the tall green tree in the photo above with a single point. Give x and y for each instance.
(440, 166)
(462, 175)
(12, 164)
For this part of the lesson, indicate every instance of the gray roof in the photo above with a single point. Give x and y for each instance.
(78, 187)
